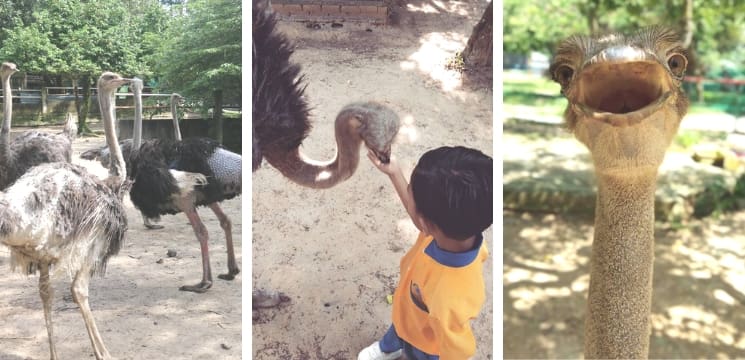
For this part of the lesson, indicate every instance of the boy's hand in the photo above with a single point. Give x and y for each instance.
(390, 168)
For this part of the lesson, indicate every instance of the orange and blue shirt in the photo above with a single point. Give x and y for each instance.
(439, 293)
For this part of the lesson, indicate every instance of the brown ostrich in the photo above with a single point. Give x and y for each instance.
(280, 122)
(29, 148)
(625, 105)
(57, 215)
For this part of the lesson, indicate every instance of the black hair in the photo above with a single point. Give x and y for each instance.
(453, 189)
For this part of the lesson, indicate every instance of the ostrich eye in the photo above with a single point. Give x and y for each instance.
(563, 75)
(677, 64)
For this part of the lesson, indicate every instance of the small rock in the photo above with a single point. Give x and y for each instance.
(160, 261)
(171, 253)
(224, 346)
(155, 323)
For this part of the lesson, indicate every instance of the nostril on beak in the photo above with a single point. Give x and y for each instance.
(384, 158)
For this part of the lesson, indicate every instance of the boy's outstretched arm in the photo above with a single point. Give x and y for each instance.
(399, 183)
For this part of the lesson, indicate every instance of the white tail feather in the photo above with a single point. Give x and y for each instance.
(186, 181)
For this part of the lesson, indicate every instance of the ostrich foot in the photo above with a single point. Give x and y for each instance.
(150, 225)
(267, 299)
(230, 275)
(198, 288)
(153, 226)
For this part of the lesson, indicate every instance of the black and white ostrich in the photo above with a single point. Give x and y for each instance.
(280, 122)
(57, 215)
(102, 153)
(29, 148)
(178, 176)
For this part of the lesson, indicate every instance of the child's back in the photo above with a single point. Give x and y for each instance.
(441, 287)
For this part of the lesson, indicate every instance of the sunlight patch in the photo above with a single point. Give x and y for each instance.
(432, 56)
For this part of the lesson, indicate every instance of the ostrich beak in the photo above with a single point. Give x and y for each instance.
(384, 156)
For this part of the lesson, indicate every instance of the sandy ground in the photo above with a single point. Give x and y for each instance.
(138, 308)
(698, 303)
(336, 252)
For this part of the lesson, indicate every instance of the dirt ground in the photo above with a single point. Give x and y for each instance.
(336, 252)
(138, 308)
(698, 303)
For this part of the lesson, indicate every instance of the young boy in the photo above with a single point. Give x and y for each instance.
(441, 288)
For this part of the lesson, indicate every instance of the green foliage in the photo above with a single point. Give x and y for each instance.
(715, 200)
(202, 54)
(72, 38)
(718, 33)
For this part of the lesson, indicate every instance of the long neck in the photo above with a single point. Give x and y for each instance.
(116, 167)
(174, 116)
(321, 175)
(7, 113)
(137, 131)
(620, 295)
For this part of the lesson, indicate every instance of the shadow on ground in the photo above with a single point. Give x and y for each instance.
(698, 305)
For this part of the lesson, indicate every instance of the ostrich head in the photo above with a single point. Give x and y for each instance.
(110, 81)
(177, 97)
(625, 100)
(7, 69)
(378, 131)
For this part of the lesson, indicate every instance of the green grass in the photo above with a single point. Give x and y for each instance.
(524, 92)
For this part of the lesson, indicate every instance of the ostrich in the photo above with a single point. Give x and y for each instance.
(175, 99)
(280, 122)
(58, 215)
(625, 105)
(177, 176)
(29, 148)
(102, 153)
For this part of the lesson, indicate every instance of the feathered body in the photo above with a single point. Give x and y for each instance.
(30, 148)
(33, 148)
(280, 113)
(156, 188)
(86, 223)
(103, 155)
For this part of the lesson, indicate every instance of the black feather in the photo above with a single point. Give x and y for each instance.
(279, 111)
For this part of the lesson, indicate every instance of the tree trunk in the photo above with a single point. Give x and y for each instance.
(690, 25)
(217, 115)
(84, 107)
(479, 49)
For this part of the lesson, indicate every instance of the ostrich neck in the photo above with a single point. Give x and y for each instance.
(116, 166)
(297, 167)
(174, 116)
(620, 294)
(137, 131)
(7, 113)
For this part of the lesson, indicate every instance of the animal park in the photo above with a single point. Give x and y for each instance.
(623, 180)
(328, 229)
(119, 141)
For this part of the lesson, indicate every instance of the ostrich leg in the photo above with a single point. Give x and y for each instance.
(201, 232)
(80, 295)
(226, 226)
(46, 292)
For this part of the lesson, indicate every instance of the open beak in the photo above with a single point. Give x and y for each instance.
(621, 86)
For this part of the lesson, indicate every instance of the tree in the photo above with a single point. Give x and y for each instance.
(79, 39)
(479, 49)
(202, 59)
